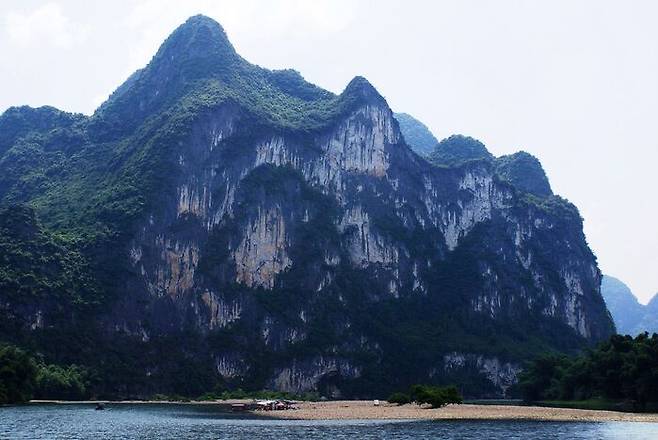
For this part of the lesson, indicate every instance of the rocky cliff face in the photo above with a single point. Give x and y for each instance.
(314, 255)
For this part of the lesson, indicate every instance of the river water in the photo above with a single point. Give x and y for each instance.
(171, 421)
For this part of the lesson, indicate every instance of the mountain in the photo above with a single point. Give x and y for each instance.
(416, 134)
(630, 317)
(218, 225)
(624, 307)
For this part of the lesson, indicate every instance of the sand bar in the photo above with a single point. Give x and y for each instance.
(356, 410)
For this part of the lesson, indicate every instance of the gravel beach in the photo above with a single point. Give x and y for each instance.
(351, 409)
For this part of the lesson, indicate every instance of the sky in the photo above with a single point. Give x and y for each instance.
(574, 82)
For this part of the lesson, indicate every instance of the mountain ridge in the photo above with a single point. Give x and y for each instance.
(523, 170)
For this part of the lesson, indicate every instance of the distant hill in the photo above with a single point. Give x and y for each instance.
(416, 134)
(649, 321)
(629, 315)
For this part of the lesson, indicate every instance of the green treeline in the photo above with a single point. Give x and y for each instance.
(22, 378)
(622, 369)
(436, 397)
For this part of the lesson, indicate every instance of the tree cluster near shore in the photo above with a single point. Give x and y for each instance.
(623, 369)
(22, 378)
(17, 375)
(437, 397)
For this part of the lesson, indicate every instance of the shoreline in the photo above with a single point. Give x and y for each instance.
(366, 410)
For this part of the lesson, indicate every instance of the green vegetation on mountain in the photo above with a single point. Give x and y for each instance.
(457, 150)
(37, 264)
(525, 172)
(19, 122)
(622, 369)
(207, 72)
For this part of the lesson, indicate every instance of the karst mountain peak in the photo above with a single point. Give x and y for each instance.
(241, 223)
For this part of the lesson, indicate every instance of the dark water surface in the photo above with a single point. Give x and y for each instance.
(169, 421)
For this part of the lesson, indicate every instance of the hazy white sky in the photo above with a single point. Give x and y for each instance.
(574, 82)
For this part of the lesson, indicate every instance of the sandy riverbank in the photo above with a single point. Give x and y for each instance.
(344, 410)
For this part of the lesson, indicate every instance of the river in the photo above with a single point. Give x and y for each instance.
(173, 421)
